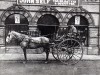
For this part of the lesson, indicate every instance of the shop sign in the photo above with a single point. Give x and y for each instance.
(77, 20)
(50, 2)
(17, 18)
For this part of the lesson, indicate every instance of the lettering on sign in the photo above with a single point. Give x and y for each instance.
(51, 2)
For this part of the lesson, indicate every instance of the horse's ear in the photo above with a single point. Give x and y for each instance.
(9, 31)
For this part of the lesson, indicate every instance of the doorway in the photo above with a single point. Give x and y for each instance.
(48, 25)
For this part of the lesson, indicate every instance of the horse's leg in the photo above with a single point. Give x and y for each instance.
(24, 46)
(47, 50)
(25, 55)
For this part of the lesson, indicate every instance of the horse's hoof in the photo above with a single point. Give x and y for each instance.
(24, 62)
(46, 62)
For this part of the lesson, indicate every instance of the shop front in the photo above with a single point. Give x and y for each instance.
(49, 17)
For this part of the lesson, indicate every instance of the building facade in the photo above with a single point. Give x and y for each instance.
(50, 16)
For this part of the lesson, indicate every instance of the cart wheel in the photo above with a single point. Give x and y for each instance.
(70, 51)
(54, 52)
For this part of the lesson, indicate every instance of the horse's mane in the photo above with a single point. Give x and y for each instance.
(19, 35)
(15, 32)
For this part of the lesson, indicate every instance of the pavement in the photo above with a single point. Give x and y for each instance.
(38, 67)
(12, 64)
(11, 56)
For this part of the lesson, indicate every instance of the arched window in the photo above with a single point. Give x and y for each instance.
(48, 24)
(16, 22)
(81, 23)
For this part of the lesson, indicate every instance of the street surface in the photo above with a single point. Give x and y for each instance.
(38, 67)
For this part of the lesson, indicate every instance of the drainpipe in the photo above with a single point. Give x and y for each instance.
(16, 1)
(78, 3)
(99, 31)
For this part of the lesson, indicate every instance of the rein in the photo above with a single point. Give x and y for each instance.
(47, 35)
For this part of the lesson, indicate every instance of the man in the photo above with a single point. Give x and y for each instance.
(72, 31)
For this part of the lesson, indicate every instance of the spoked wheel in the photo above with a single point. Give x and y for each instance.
(54, 51)
(70, 51)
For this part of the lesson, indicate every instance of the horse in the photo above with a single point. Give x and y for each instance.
(27, 42)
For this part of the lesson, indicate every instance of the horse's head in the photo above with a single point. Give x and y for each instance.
(10, 36)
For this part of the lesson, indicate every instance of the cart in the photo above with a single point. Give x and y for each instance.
(67, 49)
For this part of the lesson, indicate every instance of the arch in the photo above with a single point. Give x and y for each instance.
(47, 10)
(7, 19)
(48, 24)
(21, 26)
(82, 28)
(83, 20)
(18, 9)
(10, 19)
(86, 20)
(79, 11)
